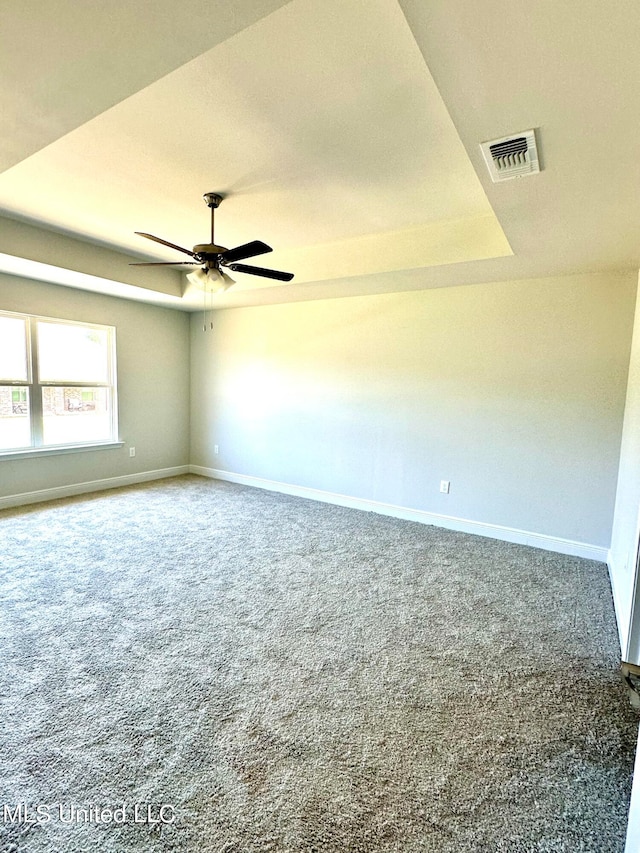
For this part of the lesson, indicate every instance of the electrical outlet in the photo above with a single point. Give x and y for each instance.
(445, 485)
(132, 452)
(215, 449)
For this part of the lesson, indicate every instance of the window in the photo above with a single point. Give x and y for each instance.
(57, 383)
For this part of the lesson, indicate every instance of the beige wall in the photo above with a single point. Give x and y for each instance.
(513, 391)
(153, 387)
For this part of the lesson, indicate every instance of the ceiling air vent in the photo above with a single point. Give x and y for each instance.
(512, 156)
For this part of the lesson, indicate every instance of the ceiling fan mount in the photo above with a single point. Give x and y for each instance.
(213, 199)
(211, 257)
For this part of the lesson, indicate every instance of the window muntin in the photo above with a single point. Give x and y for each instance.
(69, 397)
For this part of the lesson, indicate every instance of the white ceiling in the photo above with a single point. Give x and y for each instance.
(344, 133)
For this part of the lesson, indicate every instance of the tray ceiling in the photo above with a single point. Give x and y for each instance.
(345, 134)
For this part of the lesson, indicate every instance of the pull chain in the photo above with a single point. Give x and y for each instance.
(204, 309)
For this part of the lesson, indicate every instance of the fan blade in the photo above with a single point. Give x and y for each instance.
(249, 250)
(167, 264)
(165, 243)
(280, 276)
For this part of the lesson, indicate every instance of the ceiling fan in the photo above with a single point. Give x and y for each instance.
(210, 257)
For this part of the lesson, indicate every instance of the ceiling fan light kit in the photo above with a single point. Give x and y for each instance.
(210, 257)
(215, 281)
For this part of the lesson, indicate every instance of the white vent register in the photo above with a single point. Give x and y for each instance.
(512, 156)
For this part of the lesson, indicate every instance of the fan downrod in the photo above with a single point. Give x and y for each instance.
(206, 250)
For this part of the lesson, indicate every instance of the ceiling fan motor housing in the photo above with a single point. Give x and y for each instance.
(205, 249)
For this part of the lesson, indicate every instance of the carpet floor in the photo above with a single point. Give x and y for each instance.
(196, 666)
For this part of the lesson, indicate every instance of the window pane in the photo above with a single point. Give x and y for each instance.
(75, 415)
(69, 353)
(15, 426)
(13, 349)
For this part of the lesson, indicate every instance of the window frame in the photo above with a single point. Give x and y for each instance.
(35, 389)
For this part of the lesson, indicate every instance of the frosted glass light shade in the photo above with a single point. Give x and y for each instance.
(213, 281)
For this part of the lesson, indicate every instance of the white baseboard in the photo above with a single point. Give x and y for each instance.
(493, 531)
(90, 486)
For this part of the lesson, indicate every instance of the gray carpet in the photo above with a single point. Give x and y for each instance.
(291, 677)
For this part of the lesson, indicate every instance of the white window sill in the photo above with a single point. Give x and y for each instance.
(56, 451)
